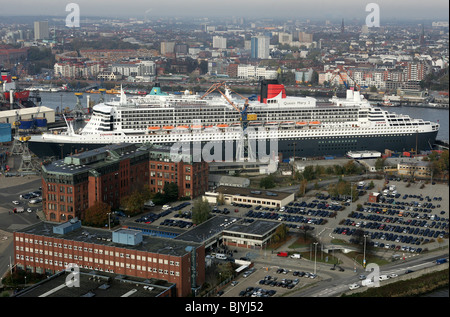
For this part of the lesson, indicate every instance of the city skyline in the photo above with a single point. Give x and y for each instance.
(322, 9)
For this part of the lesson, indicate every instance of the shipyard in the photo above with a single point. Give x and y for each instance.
(223, 157)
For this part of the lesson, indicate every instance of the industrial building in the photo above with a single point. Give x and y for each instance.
(238, 195)
(77, 182)
(49, 248)
(166, 167)
(29, 118)
(254, 235)
(98, 284)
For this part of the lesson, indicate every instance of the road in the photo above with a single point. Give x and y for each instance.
(10, 189)
(335, 287)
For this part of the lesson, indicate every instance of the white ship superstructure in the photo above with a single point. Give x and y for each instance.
(299, 125)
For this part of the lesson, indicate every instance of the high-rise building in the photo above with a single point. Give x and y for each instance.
(304, 37)
(41, 31)
(260, 47)
(219, 42)
(167, 48)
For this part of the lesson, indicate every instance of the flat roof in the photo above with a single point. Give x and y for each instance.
(98, 236)
(259, 227)
(210, 228)
(93, 159)
(96, 284)
(254, 193)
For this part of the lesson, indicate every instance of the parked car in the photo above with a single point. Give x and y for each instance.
(353, 286)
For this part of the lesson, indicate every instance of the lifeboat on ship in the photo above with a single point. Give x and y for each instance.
(287, 124)
(314, 124)
(235, 126)
(223, 126)
(182, 128)
(271, 124)
(301, 124)
(255, 124)
(154, 129)
(168, 128)
(196, 127)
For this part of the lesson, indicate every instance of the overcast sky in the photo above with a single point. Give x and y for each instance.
(326, 9)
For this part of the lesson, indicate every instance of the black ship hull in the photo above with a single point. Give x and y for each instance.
(299, 147)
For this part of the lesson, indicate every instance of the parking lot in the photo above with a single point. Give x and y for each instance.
(271, 281)
(413, 220)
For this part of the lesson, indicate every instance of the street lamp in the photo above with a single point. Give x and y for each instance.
(315, 256)
(109, 220)
(364, 260)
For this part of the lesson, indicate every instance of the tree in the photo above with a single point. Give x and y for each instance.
(267, 182)
(303, 185)
(200, 211)
(97, 214)
(134, 203)
(171, 192)
(309, 172)
(280, 234)
(351, 168)
(379, 163)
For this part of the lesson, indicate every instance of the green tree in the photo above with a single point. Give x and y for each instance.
(267, 182)
(309, 173)
(200, 211)
(134, 202)
(170, 192)
(351, 168)
(280, 234)
(379, 163)
(97, 214)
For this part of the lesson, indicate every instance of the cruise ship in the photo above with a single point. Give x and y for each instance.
(211, 125)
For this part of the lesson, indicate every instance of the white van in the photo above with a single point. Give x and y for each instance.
(383, 277)
(165, 207)
(221, 256)
(295, 256)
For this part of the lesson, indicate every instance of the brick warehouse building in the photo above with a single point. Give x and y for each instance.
(72, 185)
(107, 174)
(48, 248)
(166, 167)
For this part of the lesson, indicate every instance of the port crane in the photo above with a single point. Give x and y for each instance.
(347, 86)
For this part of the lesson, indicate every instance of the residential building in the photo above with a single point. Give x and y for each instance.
(109, 76)
(255, 72)
(219, 42)
(167, 48)
(260, 47)
(303, 75)
(304, 37)
(41, 31)
(78, 69)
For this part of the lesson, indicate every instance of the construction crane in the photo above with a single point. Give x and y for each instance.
(244, 116)
(347, 86)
